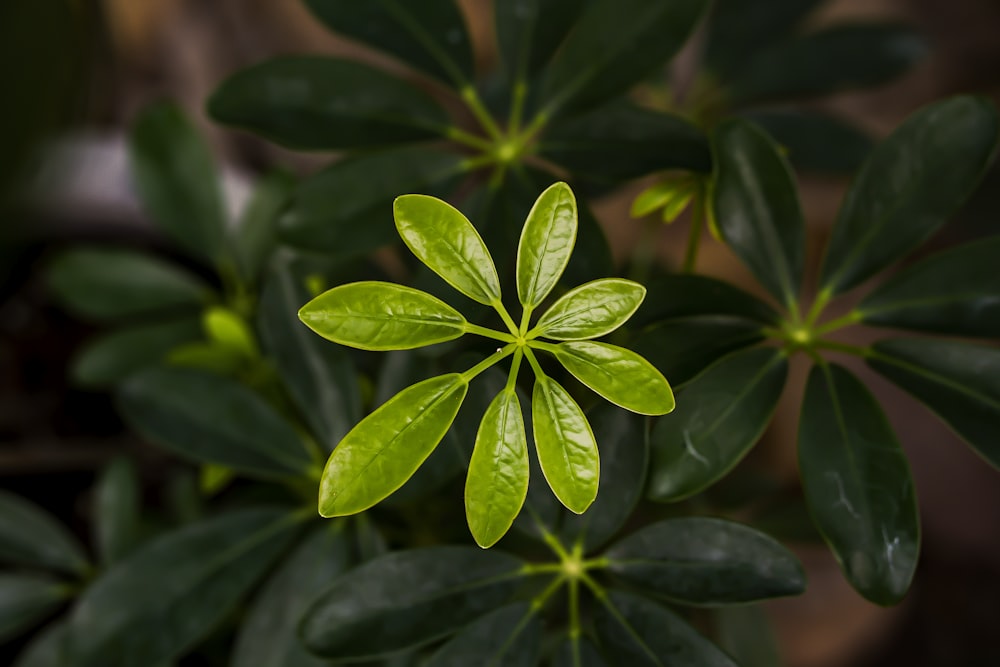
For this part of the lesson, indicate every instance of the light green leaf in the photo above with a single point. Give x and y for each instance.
(567, 450)
(619, 375)
(226, 328)
(444, 239)
(857, 484)
(116, 511)
(374, 315)
(30, 536)
(723, 412)
(25, 599)
(591, 310)
(546, 244)
(908, 187)
(498, 471)
(511, 636)
(387, 446)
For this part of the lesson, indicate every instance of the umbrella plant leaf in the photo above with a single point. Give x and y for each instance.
(591, 310)
(511, 636)
(567, 450)
(546, 244)
(116, 512)
(530, 31)
(30, 536)
(25, 599)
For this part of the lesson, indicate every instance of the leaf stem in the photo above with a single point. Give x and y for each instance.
(574, 615)
(847, 320)
(459, 135)
(542, 345)
(515, 366)
(842, 347)
(535, 366)
(488, 333)
(517, 106)
(822, 298)
(475, 105)
(525, 321)
(505, 316)
(489, 361)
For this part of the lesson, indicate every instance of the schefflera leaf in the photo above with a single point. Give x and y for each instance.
(547, 240)
(374, 315)
(591, 310)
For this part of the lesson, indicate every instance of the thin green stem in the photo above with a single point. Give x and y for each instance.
(505, 316)
(574, 612)
(496, 178)
(525, 321)
(847, 320)
(542, 345)
(515, 366)
(553, 543)
(530, 569)
(517, 106)
(594, 587)
(535, 366)
(842, 347)
(489, 361)
(475, 105)
(459, 135)
(822, 298)
(478, 161)
(488, 333)
(538, 602)
(694, 239)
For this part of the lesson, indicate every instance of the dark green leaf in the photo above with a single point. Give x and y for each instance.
(745, 634)
(213, 419)
(346, 209)
(757, 207)
(636, 632)
(430, 35)
(591, 310)
(577, 652)
(255, 235)
(132, 617)
(46, 649)
(319, 376)
(547, 241)
(615, 44)
(827, 61)
(25, 599)
(268, 636)
(954, 292)
(857, 484)
(175, 177)
(685, 295)
(407, 599)
(723, 412)
(815, 141)
(958, 382)
(116, 511)
(704, 561)
(530, 31)
(111, 358)
(622, 141)
(30, 536)
(312, 102)
(909, 186)
(106, 284)
(511, 636)
(737, 29)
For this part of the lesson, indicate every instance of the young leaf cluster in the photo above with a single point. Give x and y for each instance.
(381, 453)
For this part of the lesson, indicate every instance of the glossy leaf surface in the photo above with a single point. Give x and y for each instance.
(25, 599)
(30, 536)
(174, 173)
(528, 32)
(106, 284)
(511, 636)
(723, 412)
(757, 207)
(619, 375)
(953, 292)
(407, 599)
(209, 418)
(128, 617)
(111, 358)
(857, 484)
(444, 239)
(815, 141)
(497, 482)
(312, 102)
(546, 244)
(908, 187)
(591, 310)
(567, 450)
(374, 315)
(116, 511)
(957, 381)
(387, 446)
(615, 44)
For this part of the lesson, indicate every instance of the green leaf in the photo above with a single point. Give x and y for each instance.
(175, 177)
(622, 141)
(639, 633)
(857, 484)
(408, 599)
(567, 450)
(320, 377)
(317, 103)
(757, 208)
(25, 599)
(686, 295)
(268, 635)
(684, 347)
(128, 617)
(960, 383)
(205, 417)
(953, 292)
(109, 359)
(106, 284)
(723, 412)
(577, 652)
(591, 310)
(226, 328)
(387, 446)
(430, 36)
(375, 315)
(619, 375)
(344, 210)
(528, 32)
(744, 633)
(46, 648)
(511, 636)
(908, 187)
(738, 30)
(32, 537)
(827, 61)
(444, 239)
(498, 471)
(815, 141)
(624, 458)
(615, 44)
(254, 239)
(706, 561)
(546, 244)
(117, 500)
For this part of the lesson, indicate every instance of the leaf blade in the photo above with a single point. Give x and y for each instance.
(31, 536)
(591, 310)
(567, 450)
(546, 244)
(25, 600)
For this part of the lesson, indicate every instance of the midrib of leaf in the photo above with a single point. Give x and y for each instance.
(940, 379)
(539, 254)
(521, 624)
(427, 41)
(632, 632)
(466, 266)
(564, 450)
(497, 453)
